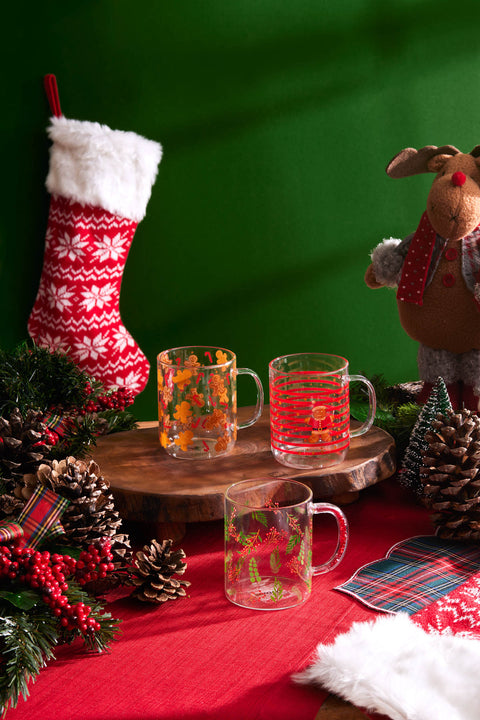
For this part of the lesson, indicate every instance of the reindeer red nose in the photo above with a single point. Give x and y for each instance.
(458, 178)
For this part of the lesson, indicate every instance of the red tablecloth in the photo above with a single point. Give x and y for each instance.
(202, 657)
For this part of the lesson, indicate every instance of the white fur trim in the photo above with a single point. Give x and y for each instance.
(94, 165)
(392, 666)
(387, 262)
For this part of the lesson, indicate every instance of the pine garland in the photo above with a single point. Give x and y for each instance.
(30, 627)
(76, 407)
(27, 641)
(72, 410)
(397, 411)
(34, 377)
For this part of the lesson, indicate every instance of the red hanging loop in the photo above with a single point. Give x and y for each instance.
(50, 83)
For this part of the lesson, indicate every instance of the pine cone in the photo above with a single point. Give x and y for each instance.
(121, 550)
(25, 487)
(10, 507)
(153, 577)
(22, 445)
(91, 514)
(451, 477)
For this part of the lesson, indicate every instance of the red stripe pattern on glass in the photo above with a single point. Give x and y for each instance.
(309, 413)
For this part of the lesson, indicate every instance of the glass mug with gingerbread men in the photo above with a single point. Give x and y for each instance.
(197, 401)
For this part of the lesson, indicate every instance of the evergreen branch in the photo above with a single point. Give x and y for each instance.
(100, 640)
(27, 640)
(78, 440)
(395, 414)
(35, 377)
(26, 643)
(117, 421)
(80, 437)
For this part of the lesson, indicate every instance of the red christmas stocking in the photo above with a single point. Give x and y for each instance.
(100, 181)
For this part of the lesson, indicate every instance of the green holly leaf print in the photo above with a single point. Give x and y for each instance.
(292, 541)
(275, 561)
(260, 517)
(253, 571)
(277, 591)
(301, 554)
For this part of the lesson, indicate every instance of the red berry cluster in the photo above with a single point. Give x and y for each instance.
(50, 437)
(91, 565)
(48, 574)
(113, 400)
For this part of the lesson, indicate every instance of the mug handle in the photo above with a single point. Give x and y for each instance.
(373, 405)
(342, 536)
(259, 405)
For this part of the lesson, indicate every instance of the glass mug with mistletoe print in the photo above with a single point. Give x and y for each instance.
(197, 401)
(268, 543)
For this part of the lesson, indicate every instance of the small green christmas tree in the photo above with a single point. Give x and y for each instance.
(438, 402)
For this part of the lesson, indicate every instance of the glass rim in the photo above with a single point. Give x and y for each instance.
(343, 365)
(267, 481)
(195, 347)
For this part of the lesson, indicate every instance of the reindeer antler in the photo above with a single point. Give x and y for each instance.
(413, 162)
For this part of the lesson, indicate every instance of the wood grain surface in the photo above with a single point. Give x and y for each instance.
(151, 486)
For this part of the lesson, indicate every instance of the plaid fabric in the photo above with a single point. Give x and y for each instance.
(59, 423)
(40, 515)
(55, 531)
(457, 613)
(10, 531)
(415, 573)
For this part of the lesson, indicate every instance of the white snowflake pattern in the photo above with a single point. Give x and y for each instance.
(110, 248)
(132, 381)
(70, 246)
(123, 338)
(59, 297)
(90, 347)
(98, 296)
(51, 342)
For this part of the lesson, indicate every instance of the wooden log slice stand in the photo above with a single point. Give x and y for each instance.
(157, 493)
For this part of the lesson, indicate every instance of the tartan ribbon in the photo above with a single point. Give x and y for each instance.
(40, 518)
(415, 573)
(58, 423)
(10, 531)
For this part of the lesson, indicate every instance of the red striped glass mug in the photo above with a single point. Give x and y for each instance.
(310, 409)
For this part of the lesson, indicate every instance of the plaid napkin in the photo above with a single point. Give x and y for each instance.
(414, 574)
(416, 657)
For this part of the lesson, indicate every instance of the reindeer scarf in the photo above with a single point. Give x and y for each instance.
(424, 251)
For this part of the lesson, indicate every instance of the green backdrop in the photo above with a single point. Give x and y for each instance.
(277, 120)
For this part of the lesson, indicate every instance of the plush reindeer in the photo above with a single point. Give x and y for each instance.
(436, 271)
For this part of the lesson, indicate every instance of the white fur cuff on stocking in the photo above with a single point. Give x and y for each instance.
(94, 165)
(392, 666)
